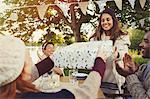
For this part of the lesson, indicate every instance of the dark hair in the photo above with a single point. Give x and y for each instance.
(45, 45)
(115, 30)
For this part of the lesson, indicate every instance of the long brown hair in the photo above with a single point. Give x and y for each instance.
(9, 91)
(115, 30)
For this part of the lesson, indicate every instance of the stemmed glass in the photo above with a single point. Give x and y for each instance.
(72, 76)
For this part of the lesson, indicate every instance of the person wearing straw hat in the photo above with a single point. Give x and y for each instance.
(17, 70)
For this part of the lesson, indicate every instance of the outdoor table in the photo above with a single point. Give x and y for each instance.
(64, 84)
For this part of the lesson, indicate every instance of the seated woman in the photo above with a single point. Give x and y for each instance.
(48, 49)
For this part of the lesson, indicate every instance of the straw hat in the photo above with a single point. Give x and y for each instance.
(12, 54)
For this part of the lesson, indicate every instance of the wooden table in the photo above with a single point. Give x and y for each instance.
(66, 79)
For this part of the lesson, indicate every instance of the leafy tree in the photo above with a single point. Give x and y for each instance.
(28, 19)
(136, 37)
(133, 17)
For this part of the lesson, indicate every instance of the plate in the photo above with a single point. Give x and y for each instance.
(81, 75)
(50, 88)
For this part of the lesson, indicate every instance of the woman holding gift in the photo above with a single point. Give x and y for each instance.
(108, 29)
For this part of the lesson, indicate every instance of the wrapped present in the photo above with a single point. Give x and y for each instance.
(80, 55)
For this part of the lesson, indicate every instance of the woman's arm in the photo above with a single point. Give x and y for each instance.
(41, 68)
(90, 87)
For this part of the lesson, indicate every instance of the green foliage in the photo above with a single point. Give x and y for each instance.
(1, 20)
(140, 60)
(32, 44)
(137, 58)
(58, 39)
(136, 37)
(129, 15)
(66, 71)
(29, 20)
(69, 39)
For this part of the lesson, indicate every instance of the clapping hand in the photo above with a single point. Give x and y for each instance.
(129, 66)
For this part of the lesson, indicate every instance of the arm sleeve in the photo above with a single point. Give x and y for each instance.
(45, 65)
(41, 68)
(136, 88)
(89, 89)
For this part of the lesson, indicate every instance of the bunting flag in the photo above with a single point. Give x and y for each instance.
(83, 7)
(142, 2)
(88, 7)
(63, 6)
(14, 16)
(101, 4)
(91, 8)
(133, 24)
(41, 10)
(141, 22)
(132, 2)
(119, 4)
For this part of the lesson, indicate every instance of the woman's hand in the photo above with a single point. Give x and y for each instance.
(103, 53)
(57, 70)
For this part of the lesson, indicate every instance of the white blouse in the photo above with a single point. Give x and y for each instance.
(111, 75)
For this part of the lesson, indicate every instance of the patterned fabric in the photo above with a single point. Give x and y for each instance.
(80, 55)
(138, 84)
(147, 73)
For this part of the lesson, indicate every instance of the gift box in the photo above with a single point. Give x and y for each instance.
(80, 55)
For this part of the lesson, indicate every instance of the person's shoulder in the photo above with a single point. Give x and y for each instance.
(124, 39)
(143, 67)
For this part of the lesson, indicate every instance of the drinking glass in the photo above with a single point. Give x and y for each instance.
(72, 76)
